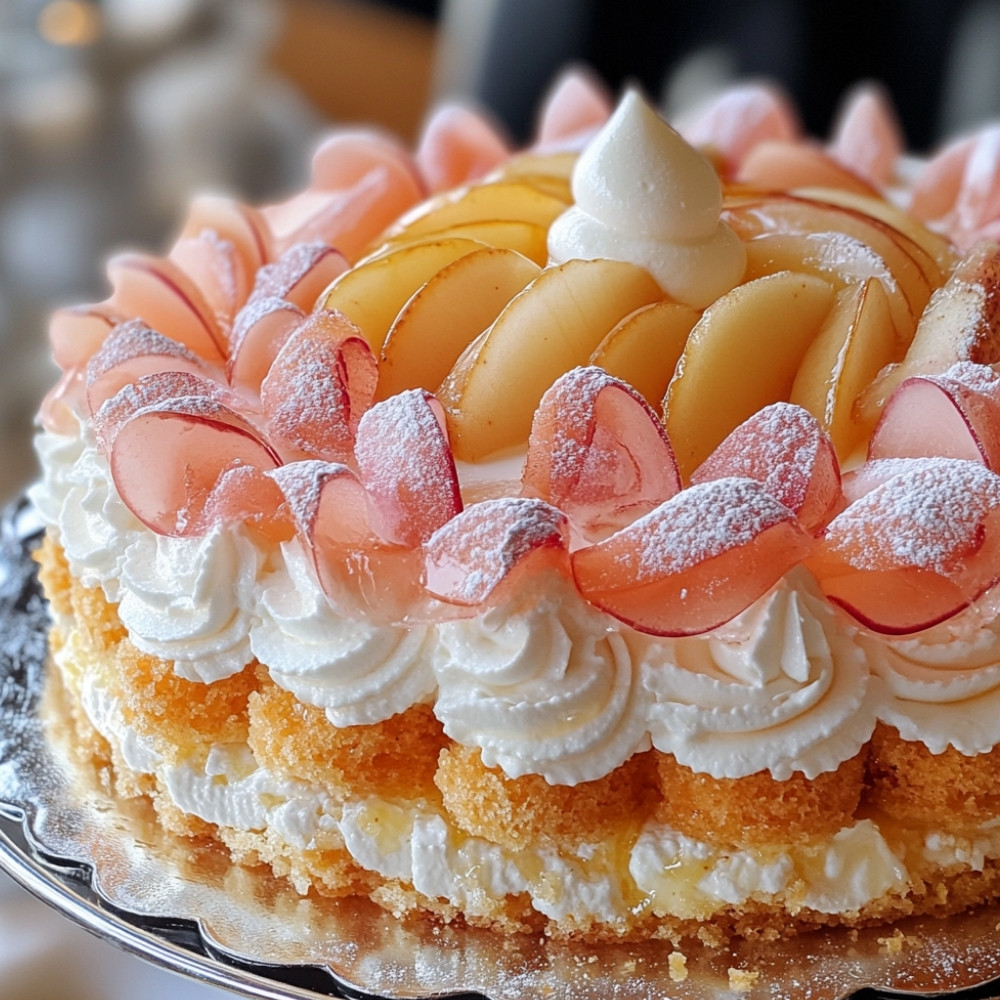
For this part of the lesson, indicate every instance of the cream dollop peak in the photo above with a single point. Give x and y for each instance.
(645, 196)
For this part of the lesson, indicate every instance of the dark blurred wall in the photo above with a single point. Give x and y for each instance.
(815, 48)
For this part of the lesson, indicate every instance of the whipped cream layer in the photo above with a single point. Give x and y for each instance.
(95, 527)
(785, 686)
(546, 684)
(358, 672)
(942, 686)
(192, 600)
(643, 195)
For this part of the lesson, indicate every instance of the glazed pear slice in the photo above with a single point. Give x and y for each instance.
(554, 325)
(961, 323)
(842, 260)
(643, 349)
(512, 199)
(445, 315)
(915, 271)
(742, 355)
(372, 293)
(854, 344)
(935, 245)
(527, 238)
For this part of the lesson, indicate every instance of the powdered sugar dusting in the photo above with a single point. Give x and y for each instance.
(928, 516)
(407, 466)
(475, 550)
(849, 256)
(256, 309)
(701, 522)
(153, 390)
(975, 376)
(306, 401)
(572, 399)
(779, 446)
(276, 280)
(302, 483)
(133, 339)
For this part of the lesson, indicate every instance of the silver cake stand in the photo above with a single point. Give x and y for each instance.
(105, 864)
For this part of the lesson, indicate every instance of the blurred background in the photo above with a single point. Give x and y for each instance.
(113, 111)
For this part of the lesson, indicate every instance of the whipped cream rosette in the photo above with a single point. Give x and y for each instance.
(783, 687)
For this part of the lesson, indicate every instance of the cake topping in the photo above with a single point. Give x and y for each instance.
(476, 551)
(783, 447)
(407, 467)
(576, 107)
(158, 291)
(541, 687)
(299, 274)
(915, 549)
(696, 560)
(362, 574)
(954, 415)
(867, 136)
(644, 195)
(260, 329)
(457, 146)
(195, 439)
(317, 388)
(598, 452)
(130, 351)
(959, 189)
(728, 125)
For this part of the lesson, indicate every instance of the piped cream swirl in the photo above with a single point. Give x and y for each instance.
(541, 685)
(643, 195)
(784, 687)
(357, 672)
(943, 685)
(95, 528)
(192, 600)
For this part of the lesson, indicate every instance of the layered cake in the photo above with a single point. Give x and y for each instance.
(598, 539)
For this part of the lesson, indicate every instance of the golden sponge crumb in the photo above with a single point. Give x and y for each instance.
(515, 812)
(393, 759)
(758, 809)
(174, 712)
(70, 598)
(54, 575)
(910, 783)
(742, 980)
(677, 967)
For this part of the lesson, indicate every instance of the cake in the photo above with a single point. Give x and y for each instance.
(599, 539)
